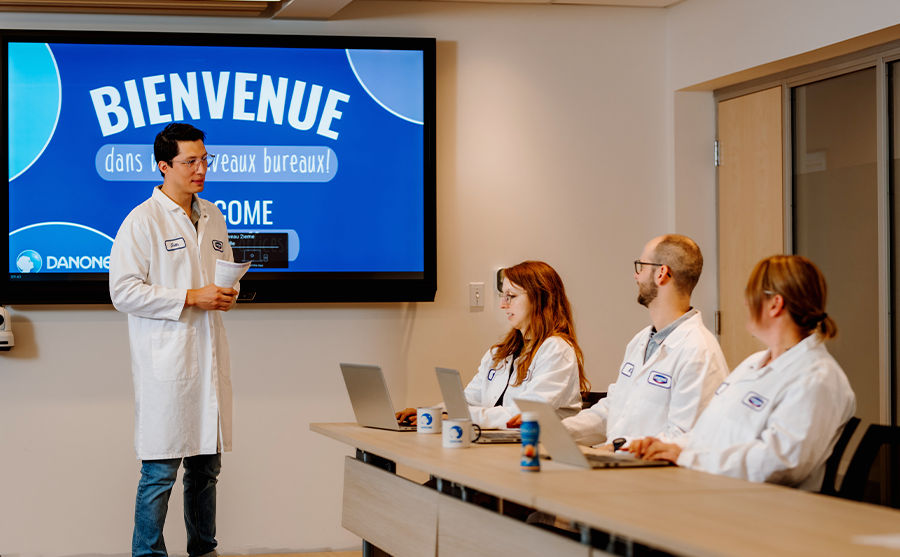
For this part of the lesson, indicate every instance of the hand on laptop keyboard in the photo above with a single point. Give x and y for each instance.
(407, 416)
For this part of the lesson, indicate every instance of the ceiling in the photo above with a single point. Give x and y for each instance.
(264, 9)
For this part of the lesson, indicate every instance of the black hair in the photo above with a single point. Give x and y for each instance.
(165, 146)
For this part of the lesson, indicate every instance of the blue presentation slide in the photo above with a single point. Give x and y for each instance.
(319, 152)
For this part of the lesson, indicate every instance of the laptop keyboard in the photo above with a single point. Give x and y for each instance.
(607, 458)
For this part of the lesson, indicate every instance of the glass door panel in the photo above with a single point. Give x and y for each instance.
(835, 216)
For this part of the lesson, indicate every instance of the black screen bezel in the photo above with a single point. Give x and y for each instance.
(269, 287)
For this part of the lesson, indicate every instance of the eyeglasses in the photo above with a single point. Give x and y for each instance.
(507, 297)
(639, 265)
(192, 163)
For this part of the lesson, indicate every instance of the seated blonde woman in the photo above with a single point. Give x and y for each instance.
(777, 416)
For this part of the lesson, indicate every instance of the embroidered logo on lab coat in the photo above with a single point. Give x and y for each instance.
(491, 373)
(660, 379)
(175, 244)
(218, 245)
(755, 401)
(627, 369)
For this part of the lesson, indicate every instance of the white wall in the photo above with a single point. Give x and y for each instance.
(551, 145)
(712, 38)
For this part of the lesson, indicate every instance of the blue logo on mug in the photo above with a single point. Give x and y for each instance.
(456, 432)
(428, 419)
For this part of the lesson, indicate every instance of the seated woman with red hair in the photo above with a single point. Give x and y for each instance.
(538, 358)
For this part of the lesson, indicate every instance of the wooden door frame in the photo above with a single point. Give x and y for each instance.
(878, 57)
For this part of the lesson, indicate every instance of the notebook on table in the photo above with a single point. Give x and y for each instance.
(370, 397)
(457, 407)
(559, 445)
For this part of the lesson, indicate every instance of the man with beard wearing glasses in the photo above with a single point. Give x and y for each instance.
(672, 367)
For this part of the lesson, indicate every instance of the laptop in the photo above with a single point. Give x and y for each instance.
(370, 398)
(457, 407)
(560, 446)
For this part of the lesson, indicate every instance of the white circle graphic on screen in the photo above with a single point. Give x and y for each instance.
(29, 261)
(35, 100)
(393, 79)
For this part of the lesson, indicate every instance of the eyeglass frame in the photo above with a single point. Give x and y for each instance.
(507, 297)
(638, 265)
(193, 163)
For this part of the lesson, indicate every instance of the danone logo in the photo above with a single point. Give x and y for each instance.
(58, 247)
(77, 263)
(29, 261)
(660, 379)
(755, 401)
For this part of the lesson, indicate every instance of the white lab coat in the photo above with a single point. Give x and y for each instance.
(552, 377)
(662, 397)
(179, 355)
(776, 423)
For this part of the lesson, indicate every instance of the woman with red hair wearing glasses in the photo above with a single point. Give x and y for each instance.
(538, 358)
(777, 416)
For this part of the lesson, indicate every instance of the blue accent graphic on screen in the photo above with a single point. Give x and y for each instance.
(34, 101)
(393, 79)
(58, 247)
(318, 161)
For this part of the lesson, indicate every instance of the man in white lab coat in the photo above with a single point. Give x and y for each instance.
(671, 368)
(161, 273)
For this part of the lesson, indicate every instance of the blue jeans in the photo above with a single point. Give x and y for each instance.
(157, 478)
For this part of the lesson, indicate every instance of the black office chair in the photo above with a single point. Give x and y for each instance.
(591, 398)
(864, 460)
(829, 486)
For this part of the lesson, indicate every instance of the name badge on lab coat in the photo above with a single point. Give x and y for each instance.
(175, 244)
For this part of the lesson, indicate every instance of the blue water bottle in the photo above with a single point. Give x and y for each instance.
(530, 434)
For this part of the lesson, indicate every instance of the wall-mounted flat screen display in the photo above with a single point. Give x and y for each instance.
(324, 161)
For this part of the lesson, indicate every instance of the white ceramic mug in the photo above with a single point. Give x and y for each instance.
(459, 434)
(428, 419)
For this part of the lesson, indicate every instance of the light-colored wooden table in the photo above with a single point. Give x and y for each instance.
(680, 511)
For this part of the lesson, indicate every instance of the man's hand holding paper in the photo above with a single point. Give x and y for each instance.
(228, 273)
